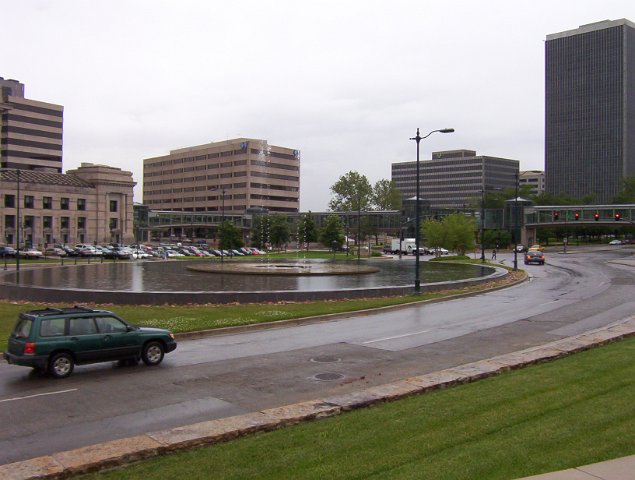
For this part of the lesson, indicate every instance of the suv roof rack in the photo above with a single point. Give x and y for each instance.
(58, 311)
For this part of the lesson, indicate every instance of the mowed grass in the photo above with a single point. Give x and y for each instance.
(553, 416)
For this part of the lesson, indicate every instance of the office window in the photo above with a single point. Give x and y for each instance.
(64, 203)
(9, 221)
(29, 201)
(9, 201)
(81, 204)
(113, 224)
(65, 222)
(81, 223)
(28, 221)
(47, 222)
(113, 206)
(47, 203)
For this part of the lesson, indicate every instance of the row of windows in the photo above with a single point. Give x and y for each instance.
(34, 156)
(227, 153)
(29, 131)
(12, 117)
(47, 222)
(47, 202)
(34, 109)
(28, 143)
(214, 166)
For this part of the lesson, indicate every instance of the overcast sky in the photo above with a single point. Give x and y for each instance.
(346, 82)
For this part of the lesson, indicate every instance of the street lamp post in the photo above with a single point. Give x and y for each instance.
(482, 225)
(418, 139)
(516, 226)
(17, 221)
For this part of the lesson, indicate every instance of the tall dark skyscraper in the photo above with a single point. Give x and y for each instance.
(590, 109)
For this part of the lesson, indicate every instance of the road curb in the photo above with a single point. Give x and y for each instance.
(128, 450)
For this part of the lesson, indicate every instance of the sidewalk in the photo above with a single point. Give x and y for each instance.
(618, 469)
(126, 450)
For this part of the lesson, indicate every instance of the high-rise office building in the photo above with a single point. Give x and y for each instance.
(590, 109)
(230, 176)
(455, 179)
(32, 131)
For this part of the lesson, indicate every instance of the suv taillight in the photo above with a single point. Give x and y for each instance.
(29, 348)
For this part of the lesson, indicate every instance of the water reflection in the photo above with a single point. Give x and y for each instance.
(173, 276)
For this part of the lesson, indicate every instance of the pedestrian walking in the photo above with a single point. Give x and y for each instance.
(493, 254)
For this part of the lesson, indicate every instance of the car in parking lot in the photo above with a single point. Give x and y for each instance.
(615, 242)
(7, 252)
(54, 340)
(534, 256)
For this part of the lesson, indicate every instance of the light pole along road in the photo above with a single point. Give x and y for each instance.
(224, 375)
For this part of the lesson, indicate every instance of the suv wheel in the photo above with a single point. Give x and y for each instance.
(61, 365)
(152, 353)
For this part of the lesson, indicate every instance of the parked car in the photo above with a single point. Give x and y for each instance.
(540, 248)
(55, 252)
(534, 256)
(521, 248)
(7, 252)
(31, 253)
(615, 242)
(57, 339)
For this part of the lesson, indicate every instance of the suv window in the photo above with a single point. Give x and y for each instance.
(53, 327)
(110, 325)
(23, 328)
(81, 326)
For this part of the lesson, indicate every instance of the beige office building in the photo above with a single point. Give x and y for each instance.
(229, 176)
(32, 131)
(91, 204)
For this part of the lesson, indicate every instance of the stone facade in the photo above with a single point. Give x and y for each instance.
(91, 204)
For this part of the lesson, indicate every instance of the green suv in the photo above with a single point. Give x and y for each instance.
(55, 339)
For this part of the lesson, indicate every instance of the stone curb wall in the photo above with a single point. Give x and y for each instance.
(127, 450)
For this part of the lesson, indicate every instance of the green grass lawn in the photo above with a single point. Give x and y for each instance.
(553, 416)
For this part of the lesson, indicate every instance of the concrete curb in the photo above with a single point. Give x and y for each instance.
(127, 450)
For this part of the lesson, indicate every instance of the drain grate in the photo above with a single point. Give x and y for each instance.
(328, 376)
(326, 359)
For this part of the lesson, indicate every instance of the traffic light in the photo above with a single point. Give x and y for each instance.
(576, 216)
(617, 217)
(596, 217)
(556, 215)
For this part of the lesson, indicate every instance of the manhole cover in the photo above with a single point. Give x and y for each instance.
(328, 377)
(326, 359)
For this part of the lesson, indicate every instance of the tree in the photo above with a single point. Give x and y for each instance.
(434, 233)
(386, 196)
(352, 192)
(496, 238)
(627, 192)
(260, 231)
(279, 230)
(455, 232)
(230, 236)
(459, 235)
(332, 233)
(307, 230)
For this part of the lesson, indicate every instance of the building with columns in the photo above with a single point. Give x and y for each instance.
(90, 204)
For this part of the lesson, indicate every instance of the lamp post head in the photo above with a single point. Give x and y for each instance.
(446, 130)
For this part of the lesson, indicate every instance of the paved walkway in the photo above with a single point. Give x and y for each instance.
(618, 469)
(120, 452)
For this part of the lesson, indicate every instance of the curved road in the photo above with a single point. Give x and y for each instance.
(226, 375)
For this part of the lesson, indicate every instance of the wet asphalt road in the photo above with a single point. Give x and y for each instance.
(226, 375)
